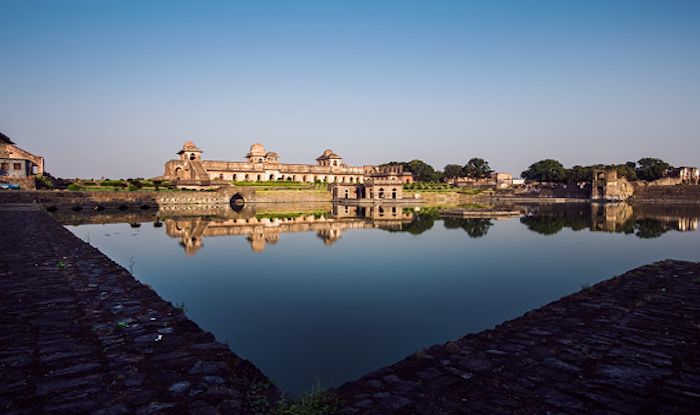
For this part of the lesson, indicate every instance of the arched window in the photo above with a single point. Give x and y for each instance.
(347, 193)
(247, 177)
(272, 177)
(192, 156)
(381, 193)
(393, 193)
(259, 177)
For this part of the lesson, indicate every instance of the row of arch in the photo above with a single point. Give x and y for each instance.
(304, 178)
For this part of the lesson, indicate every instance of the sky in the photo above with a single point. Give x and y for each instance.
(114, 88)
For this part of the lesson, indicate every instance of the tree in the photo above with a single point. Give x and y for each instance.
(546, 171)
(652, 169)
(453, 170)
(422, 171)
(477, 168)
(627, 170)
(579, 174)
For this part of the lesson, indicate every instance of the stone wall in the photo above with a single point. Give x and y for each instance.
(668, 194)
(106, 199)
(287, 196)
(84, 199)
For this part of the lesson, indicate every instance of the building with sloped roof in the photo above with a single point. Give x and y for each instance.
(16, 163)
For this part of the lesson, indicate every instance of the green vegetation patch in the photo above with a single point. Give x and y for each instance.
(316, 402)
(290, 215)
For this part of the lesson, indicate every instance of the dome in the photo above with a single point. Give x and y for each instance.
(189, 146)
(258, 149)
(328, 154)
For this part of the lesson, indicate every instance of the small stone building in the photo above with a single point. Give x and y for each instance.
(17, 165)
(607, 186)
(383, 183)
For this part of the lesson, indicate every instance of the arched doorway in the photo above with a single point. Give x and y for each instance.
(237, 202)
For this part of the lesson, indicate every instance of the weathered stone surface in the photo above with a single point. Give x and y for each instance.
(628, 345)
(78, 334)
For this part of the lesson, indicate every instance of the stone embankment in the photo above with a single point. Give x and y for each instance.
(667, 194)
(629, 345)
(126, 199)
(79, 334)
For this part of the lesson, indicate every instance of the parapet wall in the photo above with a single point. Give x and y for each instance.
(106, 199)
(292, 196)
(84, 199)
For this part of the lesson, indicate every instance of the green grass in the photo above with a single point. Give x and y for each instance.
(432, 187)
(316, 402)
(473, 206)
(290, 215)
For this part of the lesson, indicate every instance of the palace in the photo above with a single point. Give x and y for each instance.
(263, 165)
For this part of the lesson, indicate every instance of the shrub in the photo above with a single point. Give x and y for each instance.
(43, 182)
(113, 183)
(74, 187)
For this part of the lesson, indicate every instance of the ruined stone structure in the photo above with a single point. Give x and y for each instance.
(607, 186)
(499, 180)
(262, 165)
(688, 175)
(17, 165)
(678, 176)
(380, 184)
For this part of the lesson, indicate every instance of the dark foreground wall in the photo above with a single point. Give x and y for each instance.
(78, 334)
(629, 345)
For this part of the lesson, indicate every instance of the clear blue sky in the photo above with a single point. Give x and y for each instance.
(113, 88)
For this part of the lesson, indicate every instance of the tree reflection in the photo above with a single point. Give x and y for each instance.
(475, 228)
(645, 228)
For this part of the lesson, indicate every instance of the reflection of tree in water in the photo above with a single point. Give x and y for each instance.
(551, 224)
(422, 222)
(650, 228)
(544, 225)
(475, 228)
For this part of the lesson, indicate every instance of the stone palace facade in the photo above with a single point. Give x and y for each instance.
(262, 165)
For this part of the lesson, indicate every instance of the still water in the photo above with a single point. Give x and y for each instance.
(337, 292)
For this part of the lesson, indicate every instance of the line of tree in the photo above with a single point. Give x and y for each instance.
(476, 168)
(553, 171)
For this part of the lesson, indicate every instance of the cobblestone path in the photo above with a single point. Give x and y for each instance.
(629, 345)
(78, 334)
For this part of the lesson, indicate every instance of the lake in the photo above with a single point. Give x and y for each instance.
(334, 292)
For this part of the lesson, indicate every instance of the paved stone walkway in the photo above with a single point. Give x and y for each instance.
(629, 345)
(78, 334)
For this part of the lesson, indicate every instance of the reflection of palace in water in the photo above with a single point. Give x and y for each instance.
(261, 229)
(615, 217)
